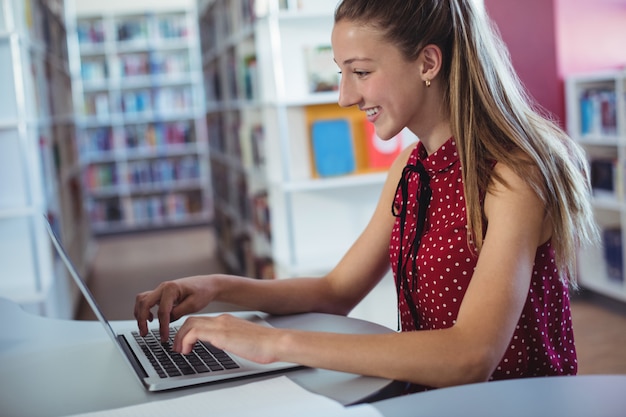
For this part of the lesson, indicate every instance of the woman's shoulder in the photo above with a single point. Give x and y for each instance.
(519, 170)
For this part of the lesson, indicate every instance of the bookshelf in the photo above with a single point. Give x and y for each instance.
(138, 93)
(38, 159)
(596, 118)
(236, 134)
(277, 213)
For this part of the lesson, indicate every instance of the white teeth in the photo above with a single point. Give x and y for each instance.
(372, 112)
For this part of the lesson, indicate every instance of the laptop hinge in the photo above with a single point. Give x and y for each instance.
(131, 355)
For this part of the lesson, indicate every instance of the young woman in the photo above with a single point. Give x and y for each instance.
(480, 221)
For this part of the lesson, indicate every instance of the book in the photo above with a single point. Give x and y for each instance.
(381, 153)
(604, 176)
(598, 112)
(333, 151)
(322, 72)
(613, 254)
(250, 77)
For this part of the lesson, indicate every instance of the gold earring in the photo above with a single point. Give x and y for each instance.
(427, 83)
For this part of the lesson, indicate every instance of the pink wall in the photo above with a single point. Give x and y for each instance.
(591, 35)
(549, 39)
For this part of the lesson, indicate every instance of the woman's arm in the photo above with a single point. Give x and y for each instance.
(360, 269)
(467, 352)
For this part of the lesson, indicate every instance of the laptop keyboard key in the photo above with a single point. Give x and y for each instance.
(203, 358)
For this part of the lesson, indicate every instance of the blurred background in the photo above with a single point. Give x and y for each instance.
(177, 137)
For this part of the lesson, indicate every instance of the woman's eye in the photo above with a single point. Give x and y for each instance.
(360, 73)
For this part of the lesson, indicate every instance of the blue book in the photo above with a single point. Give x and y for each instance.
(332, 147)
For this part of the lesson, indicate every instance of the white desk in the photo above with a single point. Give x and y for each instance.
(69, 383)
(568, 396)
(66, 386)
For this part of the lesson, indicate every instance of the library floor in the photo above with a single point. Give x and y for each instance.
(128, 264)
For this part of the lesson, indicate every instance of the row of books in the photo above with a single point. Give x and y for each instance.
(97, 141)
(136, 64)
(98, 176)
(90, 31)
(177, 206)
(163, 170)
(140, 173)
(133, 28)
(161, 100)
(104, 211)
(223, 19)
(173, 207)
(240, 80)
(598, 112)
(335, 148)
(148, 136)
(173, 27)
(159, 135)
(248, 143)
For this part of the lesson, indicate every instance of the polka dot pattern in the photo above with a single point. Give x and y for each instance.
(543, 342)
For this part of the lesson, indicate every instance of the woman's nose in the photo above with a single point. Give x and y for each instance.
(347, 94)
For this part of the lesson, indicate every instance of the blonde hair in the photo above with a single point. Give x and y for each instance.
(491, 115)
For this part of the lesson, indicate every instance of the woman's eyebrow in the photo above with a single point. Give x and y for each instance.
(352, 60)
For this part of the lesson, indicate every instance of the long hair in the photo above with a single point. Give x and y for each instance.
(492, 117)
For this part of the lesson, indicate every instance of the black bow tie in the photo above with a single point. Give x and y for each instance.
(425, 193)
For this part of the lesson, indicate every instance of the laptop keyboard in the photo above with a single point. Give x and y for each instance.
(203, 358)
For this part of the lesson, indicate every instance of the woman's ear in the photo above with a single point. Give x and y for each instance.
(431, 61)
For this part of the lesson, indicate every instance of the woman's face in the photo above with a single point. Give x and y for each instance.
(377, 78)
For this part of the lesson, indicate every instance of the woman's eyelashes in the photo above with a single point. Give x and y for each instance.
(358, 73)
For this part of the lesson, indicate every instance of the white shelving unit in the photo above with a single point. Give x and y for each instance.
(38, 168)
(138, 92)
(309, 220)
(596, 118)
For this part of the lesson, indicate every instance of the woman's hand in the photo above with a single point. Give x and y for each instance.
(175, 299)
(238, 336)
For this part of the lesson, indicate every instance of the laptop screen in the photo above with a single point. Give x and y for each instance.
(82, 286)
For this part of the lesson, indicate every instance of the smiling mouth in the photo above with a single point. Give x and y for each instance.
(372, 112)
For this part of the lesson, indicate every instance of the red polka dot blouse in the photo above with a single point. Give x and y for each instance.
(437, 270)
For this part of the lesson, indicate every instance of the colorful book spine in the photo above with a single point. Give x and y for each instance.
(381, 153)
(598, 113)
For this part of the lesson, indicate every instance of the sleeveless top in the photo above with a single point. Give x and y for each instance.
(439, 267)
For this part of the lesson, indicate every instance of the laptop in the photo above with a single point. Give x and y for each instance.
(159, 368)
